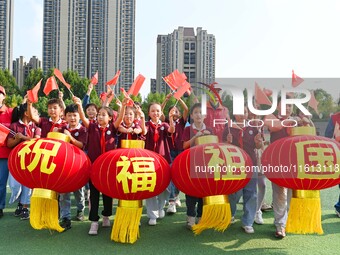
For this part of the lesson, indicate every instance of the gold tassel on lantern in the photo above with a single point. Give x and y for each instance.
(44, 210)
(216, 209)
(129, 212)
(126, 225)
(44, 202)
(304, 216)
(216, 214)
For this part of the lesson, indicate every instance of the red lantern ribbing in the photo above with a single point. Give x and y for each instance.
(49, 165)
(212, 170)
(305, 163)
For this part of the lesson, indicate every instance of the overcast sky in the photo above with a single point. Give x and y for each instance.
(254, 38)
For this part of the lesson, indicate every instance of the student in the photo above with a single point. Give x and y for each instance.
(333, 131)
(130, 129)
(5, 119)
(101, 138)
(55, 108)
(249, 139)
(281, 195)
(190, 133)
(78, 137)
(156, 139)
(25, 130)
(176, 145)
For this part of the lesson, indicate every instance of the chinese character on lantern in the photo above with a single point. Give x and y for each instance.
(43, 151)
(143, 175)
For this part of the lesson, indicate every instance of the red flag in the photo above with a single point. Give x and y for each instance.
(313, 103)
(126, 95)
(33, 93)
(102, 97)
(114, 80)
(94, 79)
(180, 91)
(260, 96)
(51, 84)
(4, 131)
(175, 79)
(61, 78)
(296, 80)
(136, 85)
(268, 92)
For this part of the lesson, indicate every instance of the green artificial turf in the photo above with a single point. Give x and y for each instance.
(170, 236)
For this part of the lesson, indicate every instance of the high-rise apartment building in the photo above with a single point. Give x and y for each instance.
(90, 35)
(193, 54)
(21, 69)
(6, 34)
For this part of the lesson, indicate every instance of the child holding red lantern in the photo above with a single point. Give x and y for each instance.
(190, 133)
(131, 128)
(25, 130)
(78, 137)
(101, 138)
(55, 108)
(156, 139)
(176, 145)
(281, 194)
(248, 138)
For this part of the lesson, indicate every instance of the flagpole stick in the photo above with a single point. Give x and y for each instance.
(10, 130)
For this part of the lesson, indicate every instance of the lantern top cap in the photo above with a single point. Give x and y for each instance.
(302, 131)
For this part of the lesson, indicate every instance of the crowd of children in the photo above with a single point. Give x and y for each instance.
(98, 130)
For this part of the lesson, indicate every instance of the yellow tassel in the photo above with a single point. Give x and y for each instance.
(126, 225)
(304, 216)
(44, 210)
(216, 214)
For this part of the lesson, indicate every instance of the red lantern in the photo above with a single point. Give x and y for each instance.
(49, 165)
(130, 174)
(306, 163)
(211, 169)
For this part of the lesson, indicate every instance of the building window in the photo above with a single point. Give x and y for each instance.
(192, 46)
(186, 58)
(192, 58)
(186, 46)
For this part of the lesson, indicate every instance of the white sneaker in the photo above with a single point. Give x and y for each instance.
(161, 214)
(337, 213)
(190, 222)
(178, 202)
(152, 222)
(171, 208)
(106, 222)
(248, 229)
(94, 228)
(233, 220)
(258, 218)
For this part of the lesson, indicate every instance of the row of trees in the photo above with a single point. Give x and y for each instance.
(79, 88)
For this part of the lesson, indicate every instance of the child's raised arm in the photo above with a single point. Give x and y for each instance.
(185, 110)
(35, 118)
(82, 116)
(141, 115)
(121, 113)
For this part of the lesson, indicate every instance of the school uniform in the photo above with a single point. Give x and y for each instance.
(47, 125)
(156, 140)
(80, 134)
(128, 136)
(244, 138)
(281, 195)
(5, 119)
(191, 201)
(176, 147)
(100, 140)
(19, 192)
